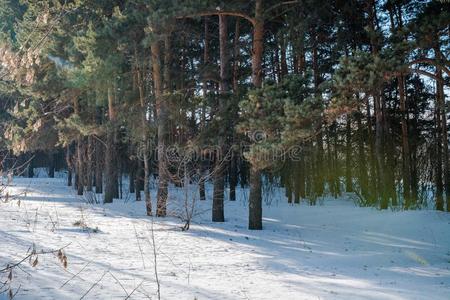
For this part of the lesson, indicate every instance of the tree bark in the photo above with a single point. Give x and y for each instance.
(111, 184)
(220, 158)
(145, 141)
(348, 157)
(255, 203)
(69, 165)
(79, 156)
(255, 200)
(98, 167)
(161, 112)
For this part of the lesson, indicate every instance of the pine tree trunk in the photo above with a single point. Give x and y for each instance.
(89, 163)
(80, 170)
(138, 186)
(132, 178)
(319, 182)
(161, 112)
(236, 55)
(440, 146)
(220, 158)
(406, 172)
(283, 58)
(362, 162)
(79, 154)
(379, 152)
(98, 167)
(348, 157)
(255, 201)
(233, 176)
(440, 94)
(51, 165)
(145, 141)
(202, 167)
(69, 165)
(111, 182)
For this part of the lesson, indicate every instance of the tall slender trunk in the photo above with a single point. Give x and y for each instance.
(99, 152)
(51, 165)
(442, 143)
(162, 116)
(111, 183)
(98, 167)
(379, 152)
(348, 157)
(69, 165)
(319, 181)
(362, 162)
(405, 143)
(255, 205)
(145, 141)
(202, 167)
(233, 176)
(440, 94)
(236, 55)
(233, 170)
(89, 163)
(79, 153)
(220, 158)
(283, 57)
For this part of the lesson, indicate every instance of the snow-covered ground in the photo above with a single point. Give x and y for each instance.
(331, 251)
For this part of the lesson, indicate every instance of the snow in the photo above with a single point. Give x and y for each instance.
(331, 251)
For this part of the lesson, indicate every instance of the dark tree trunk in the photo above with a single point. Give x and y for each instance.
(132, 178)
(220, 158)
(145, 141)
(348, 157)
(89, 162)
(51, 165)
(30, 168)
(69, 165)
(80, 169)
(98, 167)
(362, 163)
(162, 115)
(255, 200)
(439, 146)
(233, 175)
(111, 183)
(255, 203)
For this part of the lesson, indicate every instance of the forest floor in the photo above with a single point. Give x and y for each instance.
(330, 251)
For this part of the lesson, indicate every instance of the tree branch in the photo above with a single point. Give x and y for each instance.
(280, 4)
(220, 13)
(431, 62)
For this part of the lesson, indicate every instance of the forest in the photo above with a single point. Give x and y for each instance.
(321, 100)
